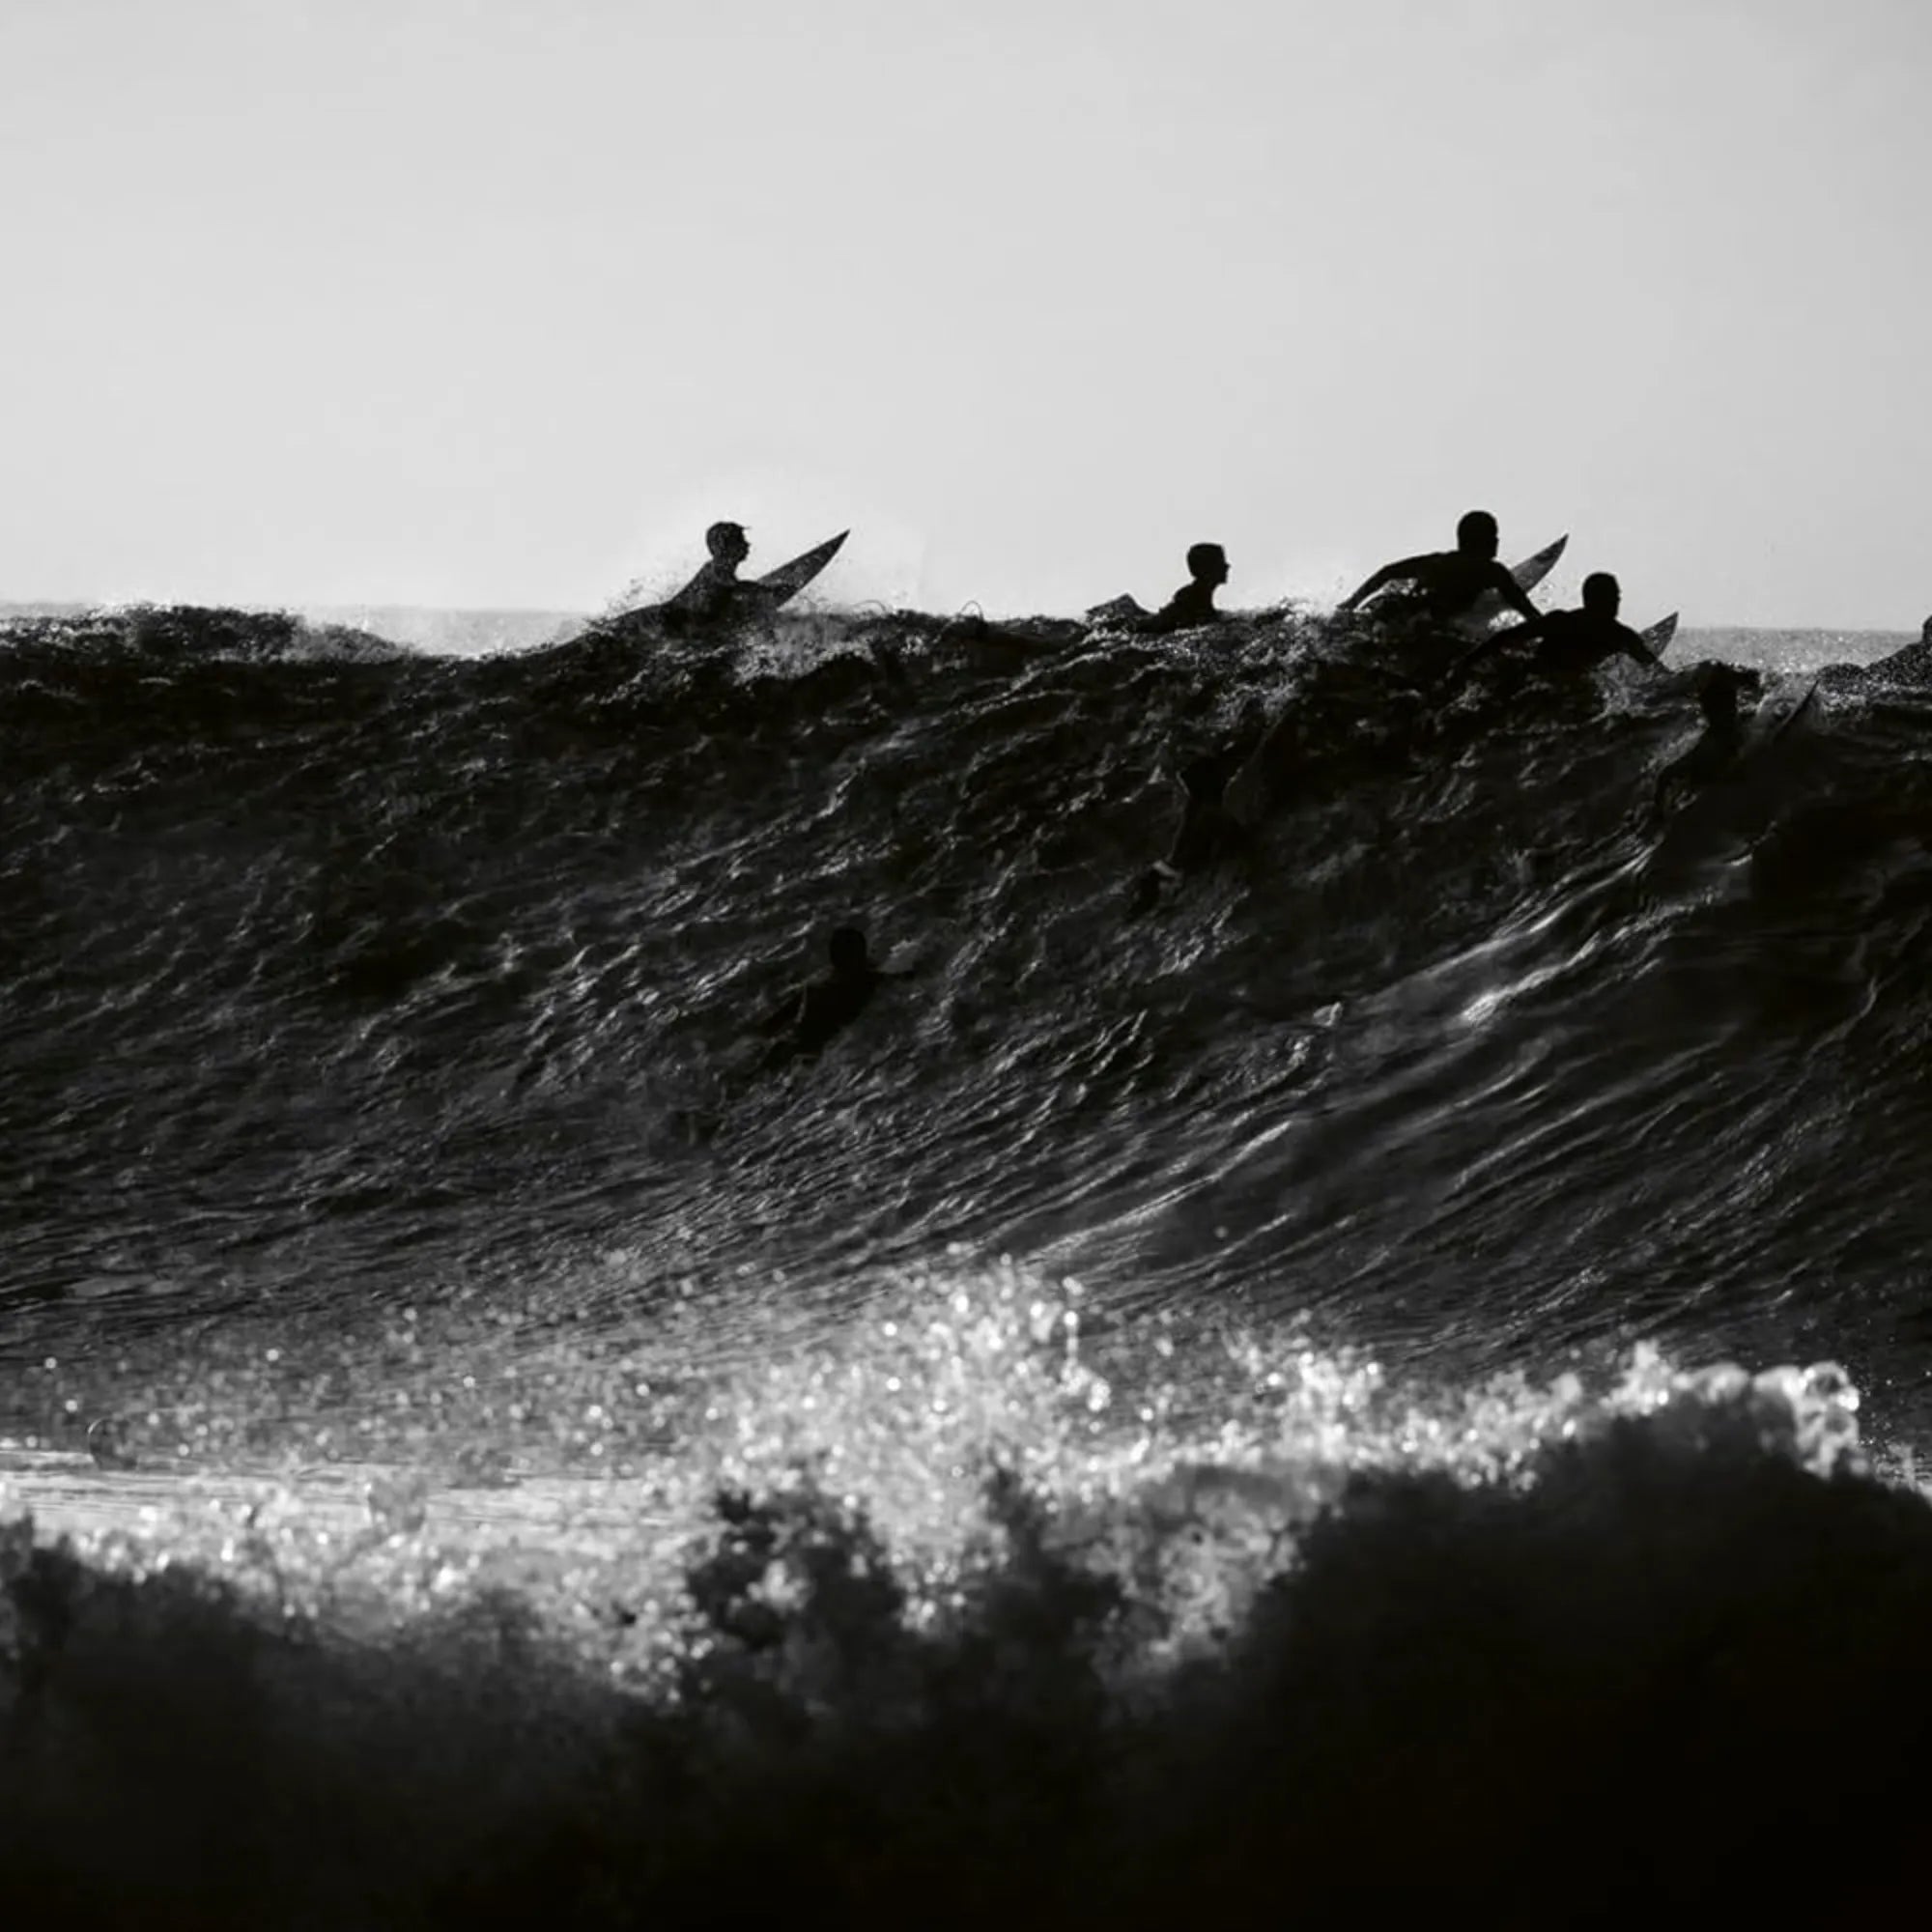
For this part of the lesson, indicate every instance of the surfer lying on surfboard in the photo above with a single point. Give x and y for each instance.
(1449, 581)
(1572, 643)
(1188, 608)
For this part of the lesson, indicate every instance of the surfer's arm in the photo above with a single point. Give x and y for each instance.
(1527, 632)
(1512, 594)
(1634, 649)
(1517, 633)
(784, 1015)
(1389, 573)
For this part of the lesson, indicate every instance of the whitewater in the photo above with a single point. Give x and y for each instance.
(1397, 1379)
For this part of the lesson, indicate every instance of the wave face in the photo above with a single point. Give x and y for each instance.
(332, 982)
(385, 1119)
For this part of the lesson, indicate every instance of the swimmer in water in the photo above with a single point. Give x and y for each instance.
(809, 1020)
(1715, 752)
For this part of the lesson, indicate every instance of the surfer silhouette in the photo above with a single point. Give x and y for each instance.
(715, 595)
(1572, 643)
(1446, 582)
(807, 1020)
(1193, 603)
(1209, 832)
(1189, 608)
(1716, 750)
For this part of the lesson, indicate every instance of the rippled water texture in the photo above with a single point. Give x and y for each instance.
(333, 985)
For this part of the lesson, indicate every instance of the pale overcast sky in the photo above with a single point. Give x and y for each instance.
(497, 303)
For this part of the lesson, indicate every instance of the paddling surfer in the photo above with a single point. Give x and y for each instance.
(1190, 607)
(1447, 582)
(1193, 603)
(1716, 750)
(1572, 643)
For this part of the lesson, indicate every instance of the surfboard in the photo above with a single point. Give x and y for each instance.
(1532, 570)
(779, 585)
(1658, 637)
(1528, 573)
(1774, 720)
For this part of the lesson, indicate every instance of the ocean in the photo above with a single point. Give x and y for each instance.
(1396, 1380)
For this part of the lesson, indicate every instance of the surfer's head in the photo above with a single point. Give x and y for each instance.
(1476, 535)
(727, 543)
(848, 949)
(1207, 563)
(1602, 594)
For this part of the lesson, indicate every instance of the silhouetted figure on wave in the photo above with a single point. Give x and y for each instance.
(1207, 833)
(1571, 644)
(1210, 831)
(715, 597)
(1448, 582)
(1191, 607)
(1717, 751)
(809, 1020)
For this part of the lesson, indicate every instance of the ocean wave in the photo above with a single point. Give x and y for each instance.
(329, 980)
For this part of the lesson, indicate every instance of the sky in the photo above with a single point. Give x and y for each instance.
(496, 304)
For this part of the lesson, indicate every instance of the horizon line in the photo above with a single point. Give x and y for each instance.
(61, 606)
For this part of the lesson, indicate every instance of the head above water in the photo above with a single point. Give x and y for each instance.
(1476, 533)
(848, 949)
(1601, 593)
(1207, 563)
(727, 543)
